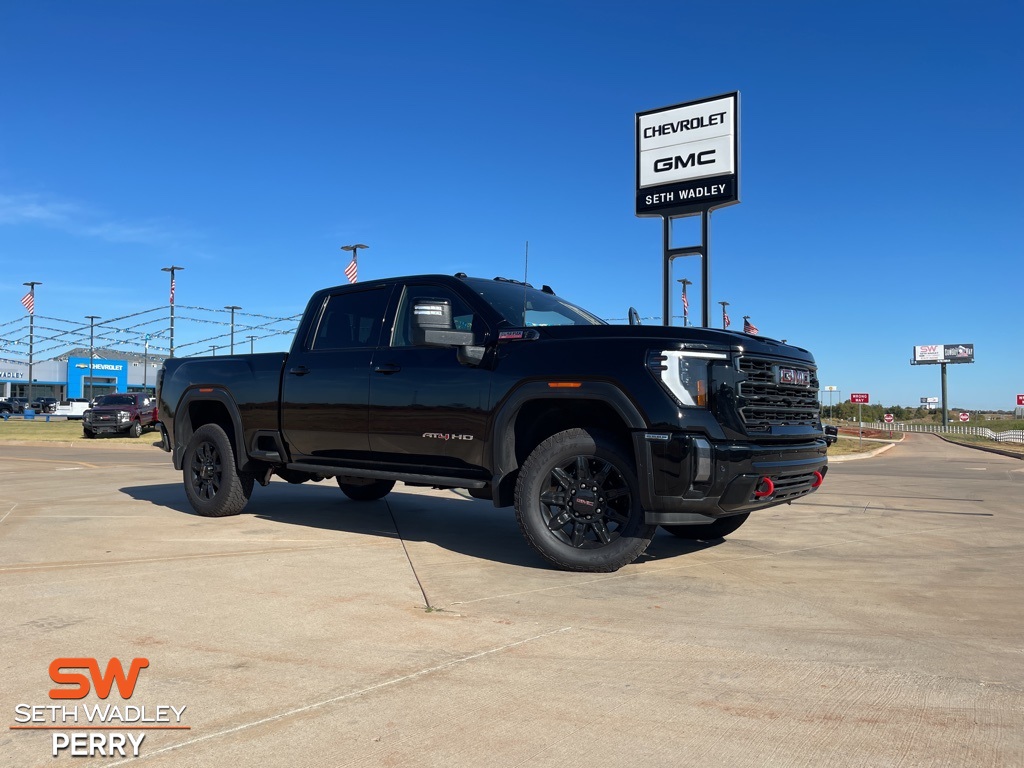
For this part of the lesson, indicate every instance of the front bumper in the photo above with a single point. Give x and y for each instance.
(686, 479)
(105, 429)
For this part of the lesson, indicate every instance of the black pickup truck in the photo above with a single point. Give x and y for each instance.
(595, 433)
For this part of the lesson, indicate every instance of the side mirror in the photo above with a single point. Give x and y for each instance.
(432, 325)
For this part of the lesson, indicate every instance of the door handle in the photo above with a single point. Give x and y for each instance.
(387, 368)
(299, 371)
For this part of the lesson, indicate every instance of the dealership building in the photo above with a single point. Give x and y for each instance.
(71, 375)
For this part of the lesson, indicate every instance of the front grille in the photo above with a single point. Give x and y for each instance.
(765, 402)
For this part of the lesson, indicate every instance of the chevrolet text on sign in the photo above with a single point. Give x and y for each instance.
(687, 156)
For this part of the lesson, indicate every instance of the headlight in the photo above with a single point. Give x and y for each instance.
(684, 374)
(123, 416)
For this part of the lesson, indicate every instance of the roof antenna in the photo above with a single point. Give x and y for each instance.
(526, 281)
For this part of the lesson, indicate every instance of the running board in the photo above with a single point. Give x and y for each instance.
(375, 474)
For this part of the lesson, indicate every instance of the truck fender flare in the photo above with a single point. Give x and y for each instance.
(184, 428)
(504, 451)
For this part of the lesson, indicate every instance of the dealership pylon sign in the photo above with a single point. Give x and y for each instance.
(687, 156)
(687, 163)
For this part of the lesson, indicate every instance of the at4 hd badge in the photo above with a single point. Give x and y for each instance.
(446, 436)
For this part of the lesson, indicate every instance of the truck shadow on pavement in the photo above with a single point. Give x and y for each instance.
(470, 527)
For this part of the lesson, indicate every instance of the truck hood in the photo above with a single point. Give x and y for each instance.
(660, 334)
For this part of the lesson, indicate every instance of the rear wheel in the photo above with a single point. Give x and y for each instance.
(371, 490)
(578, 503)
(213, 485)
(716, 530)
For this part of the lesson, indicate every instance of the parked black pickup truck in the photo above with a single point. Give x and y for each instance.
(595, 433)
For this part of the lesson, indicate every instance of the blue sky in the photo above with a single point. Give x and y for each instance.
(881, 159)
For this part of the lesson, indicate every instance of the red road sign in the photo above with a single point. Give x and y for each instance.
(965, 417)
(860, 397)
(1020, 399)
(889, 418)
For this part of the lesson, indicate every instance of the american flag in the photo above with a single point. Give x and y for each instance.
(749, 327)
(352, 270)
(172, 289)
(686, 303)
(726, 322)
(29, 302)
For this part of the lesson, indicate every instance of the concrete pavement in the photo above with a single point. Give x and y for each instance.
(876, 624)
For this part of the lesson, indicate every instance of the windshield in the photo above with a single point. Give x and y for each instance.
(116, 400)
(522, 306)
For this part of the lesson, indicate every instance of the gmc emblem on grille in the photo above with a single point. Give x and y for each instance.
(794, 377)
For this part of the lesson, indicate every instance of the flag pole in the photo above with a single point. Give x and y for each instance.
(31, 307)
(352, 270)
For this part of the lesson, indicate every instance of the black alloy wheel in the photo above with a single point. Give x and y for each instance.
(213, 485)
(577, 502)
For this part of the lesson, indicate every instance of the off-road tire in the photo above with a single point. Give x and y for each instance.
(577, 501)
(369, 491)
(213, 485)
(710, 532)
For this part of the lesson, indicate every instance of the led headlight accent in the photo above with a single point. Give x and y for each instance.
(685, 375)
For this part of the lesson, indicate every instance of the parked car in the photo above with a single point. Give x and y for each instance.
(44, 404)
(18, 404)
(127, 413)
(73, 408)
(6, 407)
(831, 433)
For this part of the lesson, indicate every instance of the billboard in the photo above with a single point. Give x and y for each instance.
(943, 353)
(687, 156)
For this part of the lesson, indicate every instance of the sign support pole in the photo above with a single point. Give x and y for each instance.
(670, 253)
(945, 405)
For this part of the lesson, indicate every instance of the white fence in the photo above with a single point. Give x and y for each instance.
(1009, 436)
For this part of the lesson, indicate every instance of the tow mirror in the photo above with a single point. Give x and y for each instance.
(432, 325)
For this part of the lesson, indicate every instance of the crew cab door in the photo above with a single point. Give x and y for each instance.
(427, 409)
(325, 389)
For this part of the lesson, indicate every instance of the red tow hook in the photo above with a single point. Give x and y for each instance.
(768, 491)
(818, 479)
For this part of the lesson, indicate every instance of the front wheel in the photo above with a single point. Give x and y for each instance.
(213, 484)
(135, 430)
(371, 490)
(719, 529)
(577, 501)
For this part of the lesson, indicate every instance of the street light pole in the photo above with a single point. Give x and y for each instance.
(31, 306)
(232, 307)
(92, 343)
(172, 269)
(686, 303)
(251, 340)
